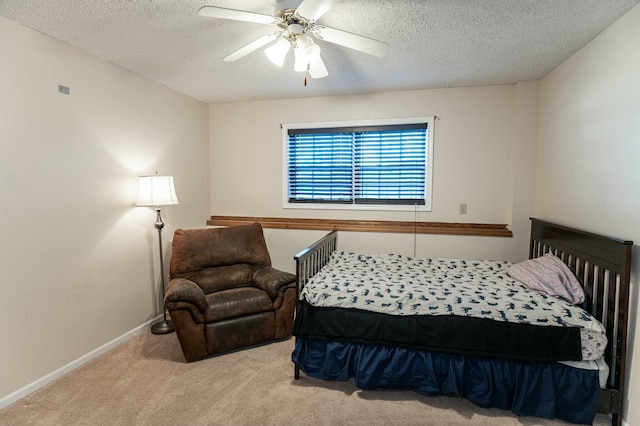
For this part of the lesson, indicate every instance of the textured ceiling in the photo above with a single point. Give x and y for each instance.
(433, 43)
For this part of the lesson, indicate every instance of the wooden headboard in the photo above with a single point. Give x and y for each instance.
(603, 267)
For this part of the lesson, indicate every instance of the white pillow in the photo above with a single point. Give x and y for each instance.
(550, 275)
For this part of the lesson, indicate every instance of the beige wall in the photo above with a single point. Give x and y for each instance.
(80, 264)
(482, 136)
(589, 151)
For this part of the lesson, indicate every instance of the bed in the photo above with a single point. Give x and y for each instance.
(468, 328)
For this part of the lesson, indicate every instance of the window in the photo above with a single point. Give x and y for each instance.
(372, 165)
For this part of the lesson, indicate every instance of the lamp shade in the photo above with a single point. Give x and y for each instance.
(301, 62)
(278, 51)
(317, 69)
(156, 191)
(311, 49)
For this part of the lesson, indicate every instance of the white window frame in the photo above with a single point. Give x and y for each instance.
(377, 207)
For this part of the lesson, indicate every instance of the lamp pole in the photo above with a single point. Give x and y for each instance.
(166, 325)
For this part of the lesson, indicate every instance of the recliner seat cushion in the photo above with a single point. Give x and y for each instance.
(223, 277)
(236, 303)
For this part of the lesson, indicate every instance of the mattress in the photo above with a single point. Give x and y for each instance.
(434, 301)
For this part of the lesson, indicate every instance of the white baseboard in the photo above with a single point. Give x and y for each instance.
(34, 386)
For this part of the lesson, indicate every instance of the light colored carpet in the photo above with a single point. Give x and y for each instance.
(146, 381)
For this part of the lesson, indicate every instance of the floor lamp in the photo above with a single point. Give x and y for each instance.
(156, 191)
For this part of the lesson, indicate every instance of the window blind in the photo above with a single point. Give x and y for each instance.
(358, 165)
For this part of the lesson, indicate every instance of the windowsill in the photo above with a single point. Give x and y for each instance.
(408, 227)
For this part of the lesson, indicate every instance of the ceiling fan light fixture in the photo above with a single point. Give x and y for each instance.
(306, 52)
(302, 61)
(317, 69)
(311, 50)
(278, 51)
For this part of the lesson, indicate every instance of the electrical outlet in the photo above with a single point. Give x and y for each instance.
(462, 208)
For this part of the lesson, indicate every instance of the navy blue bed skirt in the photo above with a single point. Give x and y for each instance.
(541, 389)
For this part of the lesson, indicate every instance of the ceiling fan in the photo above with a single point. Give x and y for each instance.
(296, 27)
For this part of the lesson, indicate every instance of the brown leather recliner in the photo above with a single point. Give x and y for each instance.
(223, 293)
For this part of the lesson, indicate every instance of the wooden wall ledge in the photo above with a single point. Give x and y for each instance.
(477, 229)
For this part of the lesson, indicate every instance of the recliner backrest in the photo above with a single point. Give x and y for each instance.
(219, 258)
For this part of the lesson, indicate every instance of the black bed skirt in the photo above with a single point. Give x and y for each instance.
(449, 334)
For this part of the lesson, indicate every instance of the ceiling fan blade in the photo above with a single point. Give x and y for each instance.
(317, 68)
(352, 41)
(254, 45)
(314, 9)
(238, 15)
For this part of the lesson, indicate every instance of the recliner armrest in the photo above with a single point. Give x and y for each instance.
(185, 294)
(272, 280)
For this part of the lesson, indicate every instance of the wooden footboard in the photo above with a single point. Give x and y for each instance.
(603, 267)
(309, 261)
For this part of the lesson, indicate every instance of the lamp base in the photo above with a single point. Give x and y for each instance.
(163, 327)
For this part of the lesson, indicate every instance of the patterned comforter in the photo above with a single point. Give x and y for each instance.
(403, 286)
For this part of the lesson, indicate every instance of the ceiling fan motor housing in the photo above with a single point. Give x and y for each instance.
(295, 28)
